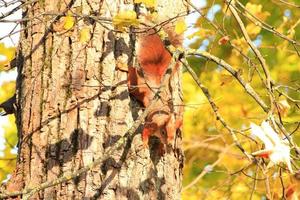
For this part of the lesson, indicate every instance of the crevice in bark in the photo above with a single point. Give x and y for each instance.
(57, 146)
(113, 166)
(108, 46)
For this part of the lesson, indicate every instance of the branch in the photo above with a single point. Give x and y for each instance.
(264, 25)
(12, 11)
(205, 170)
(222, 33)
(248, 89)
(235, 74)
(215, 109)
(296, 101)
(288, 3)
(256, 52)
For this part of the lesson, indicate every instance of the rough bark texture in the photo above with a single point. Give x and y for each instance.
(73, 103)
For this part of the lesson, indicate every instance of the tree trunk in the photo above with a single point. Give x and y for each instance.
(73, 103)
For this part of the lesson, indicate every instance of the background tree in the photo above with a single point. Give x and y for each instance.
(241, 68)
(256, 44)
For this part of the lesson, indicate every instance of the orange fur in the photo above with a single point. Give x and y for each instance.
(153, 59)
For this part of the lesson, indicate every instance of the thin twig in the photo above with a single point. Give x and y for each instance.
(288, 3)
(264, 25)
(235, 74)
(219, 30)
(12, 11)
(282, 184)
(257, 53)
(287, 96)
(254, 183)
(211, 147)
(215, 108)
(205, 170)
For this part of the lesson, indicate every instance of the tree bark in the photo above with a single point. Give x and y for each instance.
(73, 103)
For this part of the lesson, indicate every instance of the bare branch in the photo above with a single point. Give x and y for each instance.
(263, 24)
(235, 74)
(222, 33)
(256, 52)
(287, 3)
(215, 109)
(205, 170)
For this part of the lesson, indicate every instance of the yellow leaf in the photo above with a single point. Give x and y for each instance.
(85, 35)
(7, 90)
(225, 78)
(180, 27)
(10, 130)
(292, 119)
(153, 16)
(201, 33)
(256, 10)
(239, 190)
(8, 54)
(252, 29)
(148, 3)
(283, 107)
(190, 195)
(291, 33)
(69, 21)
(241, 44)
(125, 19)
(253, 8)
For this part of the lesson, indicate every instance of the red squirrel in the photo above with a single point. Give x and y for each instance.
(154, 59)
